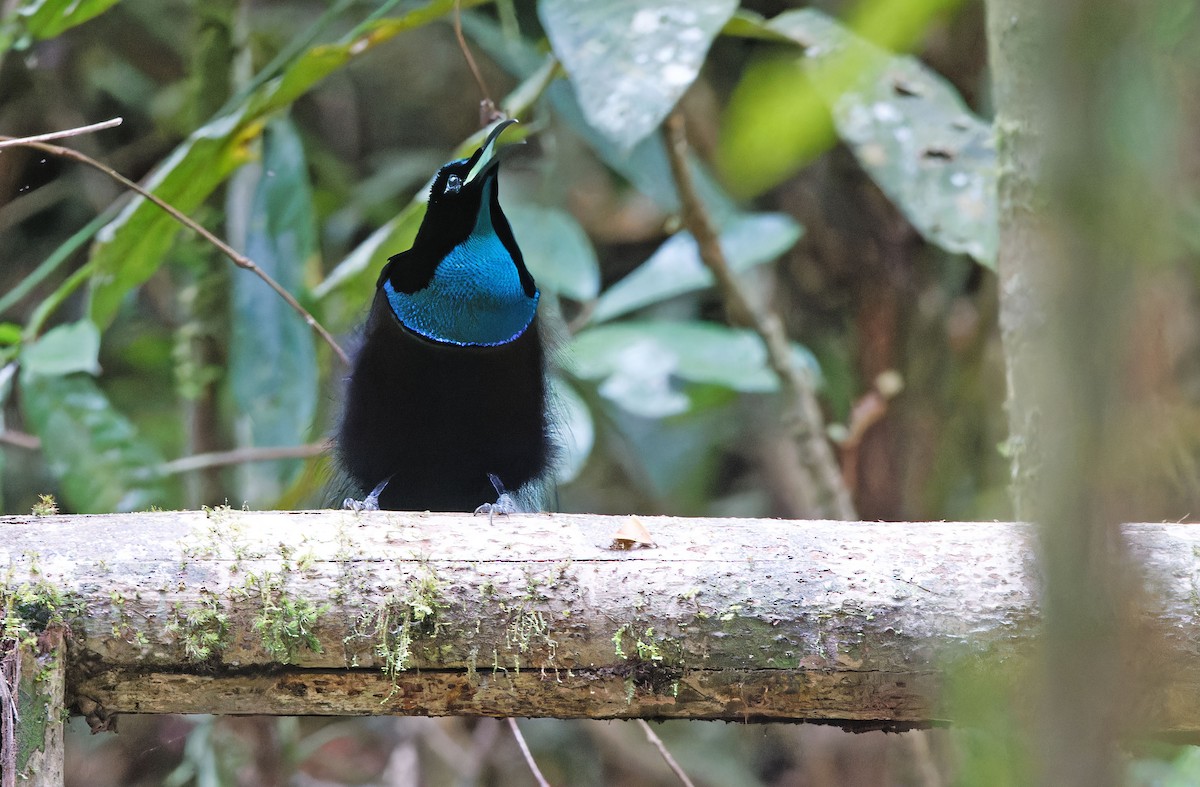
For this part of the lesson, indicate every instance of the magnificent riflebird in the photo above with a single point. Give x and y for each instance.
(446, 400)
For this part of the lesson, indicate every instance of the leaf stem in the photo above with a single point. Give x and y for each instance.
(238, 259)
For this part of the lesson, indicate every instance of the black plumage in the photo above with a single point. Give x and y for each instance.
(449, 385)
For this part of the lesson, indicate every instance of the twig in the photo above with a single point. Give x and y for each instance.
(487, 107)
(71, 132)
(803, 414)
(238, 259)
(239, 456)
(537, 774)
(666, 755)
(20, 440)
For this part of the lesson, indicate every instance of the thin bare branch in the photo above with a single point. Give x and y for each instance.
(238, 259)
(487, 107)
(666, 755)
(533, 766)
(240, 456)
(829, 494)
(7, 142)
(20, 440)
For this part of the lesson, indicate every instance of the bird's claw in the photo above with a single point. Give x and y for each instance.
(370, 502)
(366, 504)
(505, 503)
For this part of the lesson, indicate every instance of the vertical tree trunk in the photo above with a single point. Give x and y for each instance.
(1082, 198)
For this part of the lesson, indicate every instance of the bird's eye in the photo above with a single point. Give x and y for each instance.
(453, 184)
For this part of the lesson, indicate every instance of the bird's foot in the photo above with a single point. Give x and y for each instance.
(370, 502)
(505, 503)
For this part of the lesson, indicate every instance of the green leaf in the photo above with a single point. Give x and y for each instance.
(74, 347)
(556, 250)
(42, 19)
(573, 431)
(775, 123)
(675, 268)
(133, 246)
(95, 452)
(272, 358)
(645, 165)
(637, 364)
(349, 287)
(10, 334)
(631, 60)
(910, 130)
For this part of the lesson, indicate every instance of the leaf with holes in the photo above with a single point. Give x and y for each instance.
(909, 129)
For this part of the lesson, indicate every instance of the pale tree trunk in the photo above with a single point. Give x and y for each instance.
(1085, 205)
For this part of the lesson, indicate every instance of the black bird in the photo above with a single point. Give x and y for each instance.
(447, 397)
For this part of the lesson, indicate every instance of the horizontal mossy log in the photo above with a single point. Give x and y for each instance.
(334, 612)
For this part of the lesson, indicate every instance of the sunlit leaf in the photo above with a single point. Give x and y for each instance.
(10, 334)
(675, 268)
(42, 19)
(775, 123)
(909, 129)
(94, 451)
(272, 360)
(638, 364)
(556, 251)
(631, 60)
(572, 430)
(74, 347)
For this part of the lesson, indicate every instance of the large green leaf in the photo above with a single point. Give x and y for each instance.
(272, 359)
(130, 248)
(909, 129)
(35, 20)
(74, 347)
(94, 451)
(573, 430)
(675, 268)
(556, 251)
(133, 246)
(645, 165)
(638, 364)
(349, 287)
(631, 60)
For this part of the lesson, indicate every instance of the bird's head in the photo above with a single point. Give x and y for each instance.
(464, 280)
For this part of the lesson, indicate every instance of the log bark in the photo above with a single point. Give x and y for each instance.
(32, 710)
(343, 613)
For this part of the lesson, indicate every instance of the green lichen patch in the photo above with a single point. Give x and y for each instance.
(651, 661)
(400, 619)
(203, 630)
(285, 622)
(33, 605)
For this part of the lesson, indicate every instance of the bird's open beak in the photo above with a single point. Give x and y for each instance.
(487, 158)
